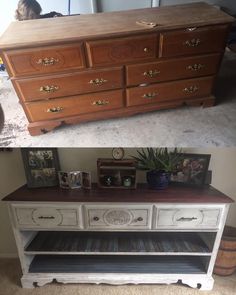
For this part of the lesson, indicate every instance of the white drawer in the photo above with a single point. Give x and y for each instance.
(187, 218)
(46, 217)
(118, 217)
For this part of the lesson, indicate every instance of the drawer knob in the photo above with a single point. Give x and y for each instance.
(48, 89)
(195, 67)
(140, 219)
(54, 110)
(190, 89)
(47, 61)
(100, 103)
(146, 49)
(95, 218)
(150, 95)
(98, 81)
(46, 217)
(151, 73)
(192, 42)
(186, 219)
(191, 29)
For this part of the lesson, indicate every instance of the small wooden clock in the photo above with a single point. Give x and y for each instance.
(118, 153)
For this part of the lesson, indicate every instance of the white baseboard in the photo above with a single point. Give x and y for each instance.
(8, 255)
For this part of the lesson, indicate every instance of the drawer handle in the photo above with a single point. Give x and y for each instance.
(46, 217)
(48, 89)
(192, 42)
(187, 219)
(95, 218)
(190, 89)
(191, 29)
(98, 81)
(146, 49)
(195, 67)
(47, 61)
(140, 219)
(151, 73)
(150, 95)
(100, 103)
(54, 110)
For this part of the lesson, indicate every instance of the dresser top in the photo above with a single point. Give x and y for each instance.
(73, 28)
(174, 194)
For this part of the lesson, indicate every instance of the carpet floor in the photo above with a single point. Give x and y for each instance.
(185, 126)
(10, 285)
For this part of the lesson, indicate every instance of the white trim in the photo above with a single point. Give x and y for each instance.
(156, 3)
(94, 6)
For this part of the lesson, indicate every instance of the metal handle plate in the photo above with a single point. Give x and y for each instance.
(152, 73)
(150, 95)
(47, 61)
(98, 81)
(195, 67)
(191, 89)
(193, 42)
(100, 102)
(54, 110)
(48, 89)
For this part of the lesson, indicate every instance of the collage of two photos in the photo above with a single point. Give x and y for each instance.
(118, 147)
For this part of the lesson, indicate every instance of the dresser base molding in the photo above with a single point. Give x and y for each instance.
(42, 127)
(202, 282)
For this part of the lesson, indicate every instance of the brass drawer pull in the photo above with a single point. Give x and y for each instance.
(47, 61)
(191, 29)
(48, 89)
(151, 73)
(150, 95)
(186, 219)
(146, 49)
(195, 67)
(190, 89)
(46, 217)
(100, 103)
(54, 110)
(192, 42)
(98, 81)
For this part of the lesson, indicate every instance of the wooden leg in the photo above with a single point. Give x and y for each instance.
(39, 128)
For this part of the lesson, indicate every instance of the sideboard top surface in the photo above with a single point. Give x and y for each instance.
(174, 194)
(80, 27)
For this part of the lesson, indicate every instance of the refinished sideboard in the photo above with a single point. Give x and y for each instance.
(118, 236)
(80, 68)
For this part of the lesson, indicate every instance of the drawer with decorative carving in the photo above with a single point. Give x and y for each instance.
(172, 69)
(120, 50)
(41, 88)
(187, 217)
(43, 60)
(193, 41)
(118, 217)
(169, 91)
(47, 217)
(74, 105)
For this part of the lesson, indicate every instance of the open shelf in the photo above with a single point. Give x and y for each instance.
(125, 243)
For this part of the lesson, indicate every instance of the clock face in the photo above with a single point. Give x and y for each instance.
(118, 153)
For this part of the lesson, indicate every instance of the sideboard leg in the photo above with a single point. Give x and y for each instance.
(27, 283)
(204, 284)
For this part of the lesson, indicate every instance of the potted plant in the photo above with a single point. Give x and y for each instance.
(159, 164)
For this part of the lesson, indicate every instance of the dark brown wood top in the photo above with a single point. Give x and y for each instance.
(73, 28)
(174, 194)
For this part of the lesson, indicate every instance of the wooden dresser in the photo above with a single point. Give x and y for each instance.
(118, 236)
(89, 67)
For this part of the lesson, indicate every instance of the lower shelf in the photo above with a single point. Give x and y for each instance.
(118, 264)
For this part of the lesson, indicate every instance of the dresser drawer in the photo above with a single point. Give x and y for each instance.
(75, 105)
(69, 84)
(192, 88)
(45, 60)
(118, 217)
(173, 69)
(121, 50)
(47, 217)
(193, 41)
(187, 218)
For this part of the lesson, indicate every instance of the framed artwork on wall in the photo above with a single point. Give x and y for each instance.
(41, 166)
(191, 170)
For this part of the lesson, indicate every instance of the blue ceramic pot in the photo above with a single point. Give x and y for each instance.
(158, 179)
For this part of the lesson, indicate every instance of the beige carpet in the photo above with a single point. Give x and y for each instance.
(10, 285)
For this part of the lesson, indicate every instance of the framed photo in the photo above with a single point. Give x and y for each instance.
(74, 179)
(191, 170)
(41, 166)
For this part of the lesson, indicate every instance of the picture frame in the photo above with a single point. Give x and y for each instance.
(74, 179)
(41, 166)
(191, 170)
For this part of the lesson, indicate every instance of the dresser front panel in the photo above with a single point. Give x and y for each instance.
(172, 69)
(192, 41)
(45, 60)
(183, 89)
(122, 50)
(75, 105)
(47, 87)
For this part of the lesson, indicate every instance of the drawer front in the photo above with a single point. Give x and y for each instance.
(45, 60)
(69, 84)
(193, 41)
(118, 217)
(184, 89)
(46, 217)
(75, 105)
(187, 218)
(174, 69)
(121, 50)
